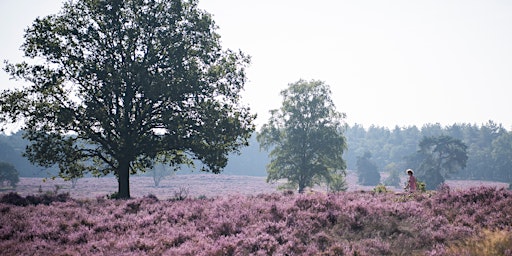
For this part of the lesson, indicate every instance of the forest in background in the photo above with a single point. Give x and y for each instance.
(489, 151)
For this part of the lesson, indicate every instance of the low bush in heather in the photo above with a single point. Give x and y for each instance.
(346, 223)
(47, 198)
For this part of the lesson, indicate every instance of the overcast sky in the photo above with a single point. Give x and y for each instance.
(388, 62)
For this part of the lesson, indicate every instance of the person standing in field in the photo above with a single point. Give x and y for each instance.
(411, 183)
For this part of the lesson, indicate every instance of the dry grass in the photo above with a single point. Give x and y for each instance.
(488, 243)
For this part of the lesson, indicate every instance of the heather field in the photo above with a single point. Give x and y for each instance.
(193, 185)
(450, 221)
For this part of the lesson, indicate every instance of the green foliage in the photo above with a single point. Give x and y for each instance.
(337, 182)
(114, 195)
(381, 188)
(288, 186)
(488, 147)
(421, 186)
(387, 146)
(502, 156)
(305, 136)
(8, 174)
(202, 197)
(394, 176)
(442, 155)
(367, 171)
(119, 82)
(11, 148)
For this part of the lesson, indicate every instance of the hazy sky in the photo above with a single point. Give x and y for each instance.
(388, 62)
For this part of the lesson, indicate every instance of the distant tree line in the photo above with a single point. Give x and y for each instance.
(489, 151)
(251, 161)
(489, 148)
(11, 151)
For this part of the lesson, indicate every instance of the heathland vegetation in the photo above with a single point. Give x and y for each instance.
(477, 221)
(120, 87)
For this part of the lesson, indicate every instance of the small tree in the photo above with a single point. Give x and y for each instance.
(442, 155)
(161, 171)
(167, 165)
(368, 173)
(71, 170)
(8, 174)
(305, 137)
(337, 182)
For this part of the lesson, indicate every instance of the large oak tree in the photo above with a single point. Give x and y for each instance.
(122, 81)
(305, 137)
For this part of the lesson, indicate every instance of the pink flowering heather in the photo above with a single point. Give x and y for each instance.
(348, 223)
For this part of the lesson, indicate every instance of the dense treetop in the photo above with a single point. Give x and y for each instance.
(129, 80)
(305, 137)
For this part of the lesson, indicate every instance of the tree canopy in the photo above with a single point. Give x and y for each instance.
(442, 155)
(368, 173)
(8, 173)
(502, 157)
(305, 136)
(120, 82)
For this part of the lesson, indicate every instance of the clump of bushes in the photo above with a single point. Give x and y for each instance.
(46, 199)
(421, 186)
(381, 188)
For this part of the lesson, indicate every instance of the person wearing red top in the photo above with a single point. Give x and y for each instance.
(411, 184)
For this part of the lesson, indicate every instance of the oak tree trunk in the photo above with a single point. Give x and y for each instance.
(124, 180)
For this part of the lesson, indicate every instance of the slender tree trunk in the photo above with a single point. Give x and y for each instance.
(301, 187)
(155, 178)
(124, 180)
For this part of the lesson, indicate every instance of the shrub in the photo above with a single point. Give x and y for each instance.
(421, 186)
(181, 193)
(381, 188)
(338, 183)
(114, 195)
(202, 197)
(47, 199)
(14, 199)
